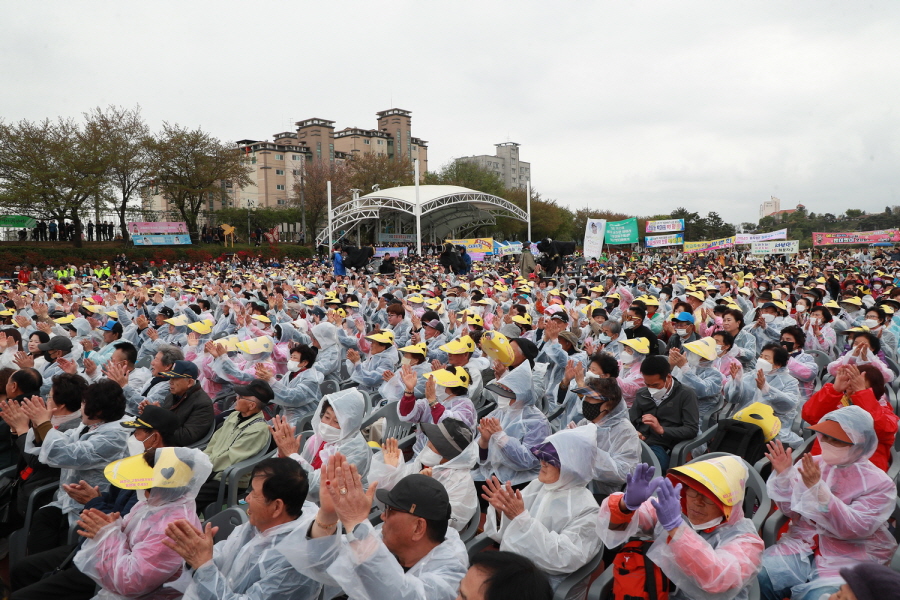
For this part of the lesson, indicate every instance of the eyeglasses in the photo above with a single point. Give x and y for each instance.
(389, 509)
(698, 497)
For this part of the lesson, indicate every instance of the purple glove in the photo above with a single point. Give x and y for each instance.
(668, 505)
(640, 485)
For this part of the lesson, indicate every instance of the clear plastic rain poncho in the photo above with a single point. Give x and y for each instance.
(328, 361)
(557, 529)
(369, 373)
(845, 512)
(524, 425)
(80, 457)
(286, 335)
(711, 564)
(247, 566)
(455, 474)
(349, 407)
(242, 369)
(782, 393)
(128, 558)
(618, 449)
(298, 396)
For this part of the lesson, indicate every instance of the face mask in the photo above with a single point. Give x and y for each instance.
(429, 457)
(657, 394)
(328, 433)
(503, 401)
(832, 455)
(707, 525)
(684, 333)
(789, 346)
(628, 325)
(693, 359)
(441, 394)
(877, 286)
(591, 410)
(815, 321)
(135, 446)
(768, 317)
(604, 339)
(405, 361)
(663, 297)
(801, 308)
(293, 366)
(763, 288)
(871, 323)
(765, 365)
(626, 358)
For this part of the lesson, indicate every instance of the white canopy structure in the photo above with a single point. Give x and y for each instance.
(447, 211)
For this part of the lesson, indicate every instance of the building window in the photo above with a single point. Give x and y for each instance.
(331, 152)
(279, 171)
(318, 149)
(296, 157)
(280, 186)
(366, 141)
(281, 201)
(296, 172)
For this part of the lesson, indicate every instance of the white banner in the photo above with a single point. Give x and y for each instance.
(749, 238)
(666, 226)
(594, 232)
(785, 247)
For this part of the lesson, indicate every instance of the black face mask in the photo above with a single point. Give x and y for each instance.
(789, 346)
(592, 410)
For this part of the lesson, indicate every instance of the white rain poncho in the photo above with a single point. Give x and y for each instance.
(127, 558)
(393, 390)
(366, 570)
(349, 407)
(247, 566)
(618, 449)
(557, 529)
(455, 475)
(712, 564)
(509, 451)
(298, 396)
(846, 511)
(369, 373)
(328, 360)
(782, 393)
(242, 369)
(80, 457)
(706, 381)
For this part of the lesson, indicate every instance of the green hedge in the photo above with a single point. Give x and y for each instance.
(10, 257)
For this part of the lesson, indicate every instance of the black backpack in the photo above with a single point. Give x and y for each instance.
(746, 440)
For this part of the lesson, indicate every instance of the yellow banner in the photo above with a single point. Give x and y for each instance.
(475, 244)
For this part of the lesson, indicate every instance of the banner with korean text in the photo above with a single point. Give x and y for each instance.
(709, 245)
(483, 245)
(782, 247)
(856, 237)
(594, 231)
(749, 238)
(161, 240)
(664, 226)
(621, 232)
(162, 227)
(658, 241)
(395, 251)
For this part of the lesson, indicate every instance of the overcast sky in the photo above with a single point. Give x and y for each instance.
(640, 107)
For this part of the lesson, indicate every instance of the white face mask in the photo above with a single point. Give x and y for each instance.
(589, 376)
(628, 325)
(604, 339)
(293, 366)
(442, 395)
(503, 401)
(429, 457)
(768, 317)
(693, 359)
(626, 358)
(329, 433)
(657, 393)
(815, 321)
(871, 323)
(405, 361)
(765, 365)
(684, 333)
(719, 349)
(801, 308)
(832, 455)
(135, 446)
(707, 525)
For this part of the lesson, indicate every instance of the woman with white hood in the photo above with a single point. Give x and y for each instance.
(130, 557)
(701, 540)
(693, 366)
(446, 397)
(552, 521)
(838, 503)
(448, 456)
(328, 361)
(618, 444)
(383, 356)
(336, 425)
(633, 353)
(506, 435)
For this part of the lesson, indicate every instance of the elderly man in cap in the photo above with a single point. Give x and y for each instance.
(416, 555)
(244, 434)
(59, 354)
(189, 402)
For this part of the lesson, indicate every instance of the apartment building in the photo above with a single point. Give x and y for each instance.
(505, 163)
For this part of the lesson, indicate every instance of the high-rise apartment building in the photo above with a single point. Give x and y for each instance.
(770, 206)
(506, 164)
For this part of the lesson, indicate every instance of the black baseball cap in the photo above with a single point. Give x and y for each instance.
(449, 437)
(258, 388)
(182, 369)
(166, 312)
(58, 342)
(418, 495)
(154, 417)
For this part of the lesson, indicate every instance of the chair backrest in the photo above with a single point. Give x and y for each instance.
(661, 348)
(329, 386)
(822, 359)
(649, 456)
(201, 443)
(757, 504)
(227, 521)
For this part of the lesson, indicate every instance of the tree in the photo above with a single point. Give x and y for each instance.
(266, 218)
(854, 213)
(717, 228)
(468, 175)
(694, 226)
(311, 191)
(368, 170)
(127, 141)
(190, 164)
(50, 169)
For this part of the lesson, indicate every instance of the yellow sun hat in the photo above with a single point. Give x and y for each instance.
(640, 344)
(721, 478)
(497, 347)
(450, 377)
(133, 473)
(178, 321)
(382, 337)
(704, 347)
(256, 345)
(202, 327)
(762, 415)
(421, 348)
(462, 345)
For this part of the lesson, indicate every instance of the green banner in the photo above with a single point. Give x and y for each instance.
(622, 232)
(17, 221)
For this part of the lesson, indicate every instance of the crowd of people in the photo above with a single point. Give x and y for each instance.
(729, 420)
